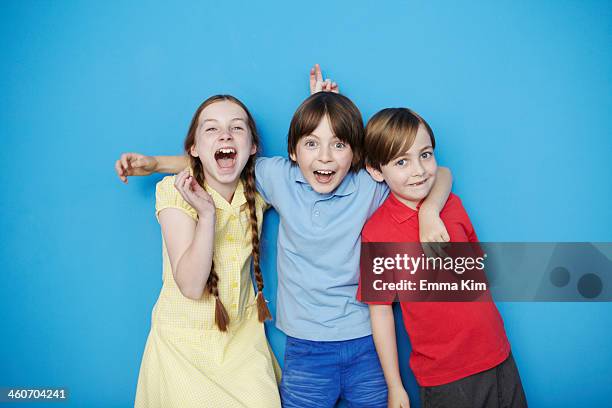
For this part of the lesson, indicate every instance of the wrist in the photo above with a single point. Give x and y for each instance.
(428, 209)
(395, 384)
(206, 218)
(156, 166)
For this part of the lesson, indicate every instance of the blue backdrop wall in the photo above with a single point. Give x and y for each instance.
(518, 93)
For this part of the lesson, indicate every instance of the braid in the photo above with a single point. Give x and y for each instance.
(221, 316)
(249, 189)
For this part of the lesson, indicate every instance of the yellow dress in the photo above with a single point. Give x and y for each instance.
(187, 361)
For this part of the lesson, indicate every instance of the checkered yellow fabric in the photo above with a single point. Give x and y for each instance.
(187, 361)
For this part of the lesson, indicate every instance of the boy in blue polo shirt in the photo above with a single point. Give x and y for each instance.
(323, 198)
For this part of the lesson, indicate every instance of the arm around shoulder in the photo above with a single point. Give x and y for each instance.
(440, 191)
(170, 164)
(136, 164)
(268, 172)
(431, 227)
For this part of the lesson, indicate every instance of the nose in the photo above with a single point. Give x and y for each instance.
(325, 154)
(225, 136)
(417, 169)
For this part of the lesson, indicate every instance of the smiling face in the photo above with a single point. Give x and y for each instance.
(411, 175)
(223, 144)
(323, 158)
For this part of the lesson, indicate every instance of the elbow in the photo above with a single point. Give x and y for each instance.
(191, 292)
(448, 173)
(379, 312)
(188, 286)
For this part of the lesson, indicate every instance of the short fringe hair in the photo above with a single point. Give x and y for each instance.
(344, 117)
(390, 133)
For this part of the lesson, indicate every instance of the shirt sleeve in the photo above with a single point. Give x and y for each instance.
(471, 232)
(380, 189)
(261, 203)
(268, 172)
(464, 220)
(381, 193)
(167, 196)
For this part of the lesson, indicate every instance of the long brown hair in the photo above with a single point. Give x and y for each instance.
(248, 178)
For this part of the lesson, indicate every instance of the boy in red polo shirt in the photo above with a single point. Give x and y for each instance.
(460, 353)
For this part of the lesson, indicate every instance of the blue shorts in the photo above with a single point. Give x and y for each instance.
(319, 373)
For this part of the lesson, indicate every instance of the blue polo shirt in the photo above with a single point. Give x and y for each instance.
(318, 250)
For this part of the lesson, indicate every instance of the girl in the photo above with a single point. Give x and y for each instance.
(207, 346)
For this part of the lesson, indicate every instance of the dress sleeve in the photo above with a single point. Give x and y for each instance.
(261, 203)
(167, 196)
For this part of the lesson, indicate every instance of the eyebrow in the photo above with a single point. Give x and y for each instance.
(231, 120)
(406, 153)
(315, 135)
(423, 148)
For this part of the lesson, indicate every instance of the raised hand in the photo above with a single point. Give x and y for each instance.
(195, 195)
(317, 84)
(134, 164)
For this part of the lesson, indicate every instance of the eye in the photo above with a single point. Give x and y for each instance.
(210, 129)
(310, 143)
(426, 155)
(237, 128)
(400, 162)
(339, 145)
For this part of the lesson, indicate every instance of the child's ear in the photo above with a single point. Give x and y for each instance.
(293, 157)
(376, 174)
(193, 151)
(253, 150)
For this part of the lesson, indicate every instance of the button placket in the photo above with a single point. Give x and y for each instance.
(316, 214)
(235, 291)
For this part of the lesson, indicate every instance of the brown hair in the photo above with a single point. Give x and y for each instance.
(248, 177)
(390, 133)
(344, 118)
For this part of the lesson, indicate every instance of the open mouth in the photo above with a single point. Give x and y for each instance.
(419, 183)
(225, 157)
(324, 176)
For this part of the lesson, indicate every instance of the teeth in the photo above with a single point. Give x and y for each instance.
(227, 150)
(325, 172)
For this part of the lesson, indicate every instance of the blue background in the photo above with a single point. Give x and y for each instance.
(518, 94)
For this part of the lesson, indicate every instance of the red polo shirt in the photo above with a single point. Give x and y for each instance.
(450, 340)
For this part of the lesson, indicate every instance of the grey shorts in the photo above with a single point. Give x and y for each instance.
(498, 387)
